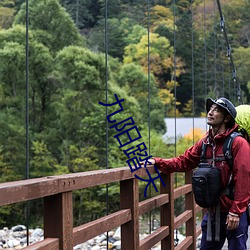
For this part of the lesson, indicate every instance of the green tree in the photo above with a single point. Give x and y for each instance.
(242, 64)
(82, 120)
(135, 82)
(117, 31)
(42, 163)
(161, 57)
(84, 13)
(53, 25)
(6, 17)
(40, 60)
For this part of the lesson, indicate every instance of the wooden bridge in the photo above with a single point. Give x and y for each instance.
(59, 233)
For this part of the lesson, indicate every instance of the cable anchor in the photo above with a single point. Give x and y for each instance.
(222, 24)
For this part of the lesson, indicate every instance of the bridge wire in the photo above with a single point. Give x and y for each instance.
(229, 55)
(215, 52)
(106, 82)
(77, 13)
(27, 206)
(222, 68)
(229, 83)
(192, 77)
(148, 28)
(174, 71)
(175, 95)
(205, 49)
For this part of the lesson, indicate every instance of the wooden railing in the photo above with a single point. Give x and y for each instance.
(59, 232)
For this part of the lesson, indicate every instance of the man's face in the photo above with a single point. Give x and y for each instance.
(215, 116)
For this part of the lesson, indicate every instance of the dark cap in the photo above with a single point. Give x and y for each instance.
(223, 103)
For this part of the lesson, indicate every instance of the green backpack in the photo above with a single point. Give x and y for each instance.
(243, 120)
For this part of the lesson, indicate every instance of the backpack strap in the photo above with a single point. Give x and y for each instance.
(227, 151)
(227, 148)
(203, 152)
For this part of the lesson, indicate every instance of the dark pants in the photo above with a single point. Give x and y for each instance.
(237, 238)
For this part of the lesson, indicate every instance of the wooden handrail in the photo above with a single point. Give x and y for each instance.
(58, 209)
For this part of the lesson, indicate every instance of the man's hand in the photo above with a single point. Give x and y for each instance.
(232, 221)
(149, 162)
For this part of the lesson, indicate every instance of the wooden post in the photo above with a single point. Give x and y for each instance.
(58, 219)
(129, 197)
(190, 205)
(167, 211)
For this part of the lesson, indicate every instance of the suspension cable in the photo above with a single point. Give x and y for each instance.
(215, 52)
(106, 82)
(149, 122)
(175, 95)
(27, 207)
(192, 76)
(222, 68)
(148, 27)
(229, 53)
(174, 74)
(205, 50)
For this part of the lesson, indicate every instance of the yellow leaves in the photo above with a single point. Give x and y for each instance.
(166, 96)
(171, 85)
(160, 12)
(6, 17)
(189, 139)
(179, 69)
(203, 114)
(161, 16)
(188, 109)
(170, 102)
(195, 134)
(159, 53)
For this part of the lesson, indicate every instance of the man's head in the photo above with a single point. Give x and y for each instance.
(224, 105)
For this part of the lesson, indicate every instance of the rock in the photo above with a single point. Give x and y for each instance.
(111, 239)
(81, 246)
(100, 238)
(3, 233)
(16, 238)
(103, 243)
(91, 242)
(117, 235)
(117, 244)
(111, 233)
(38, 232)
(18, 228)
(13, 243)
(95, 248)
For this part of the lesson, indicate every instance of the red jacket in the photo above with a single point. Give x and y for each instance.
(241, 167)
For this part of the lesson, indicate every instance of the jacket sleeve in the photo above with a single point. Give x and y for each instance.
(241, 175)
(185, 162)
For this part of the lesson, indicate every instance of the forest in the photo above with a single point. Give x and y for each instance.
(59, 59)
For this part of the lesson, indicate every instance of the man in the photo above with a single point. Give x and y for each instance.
(221, 115)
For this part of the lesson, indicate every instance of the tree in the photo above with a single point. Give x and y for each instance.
(161, 16)
(132, 78)
(117, 30)
(242, 64)
(40, 60)
(79, 75)
(53, 25)
(160, 58)
(84, 13)
(6, 17)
